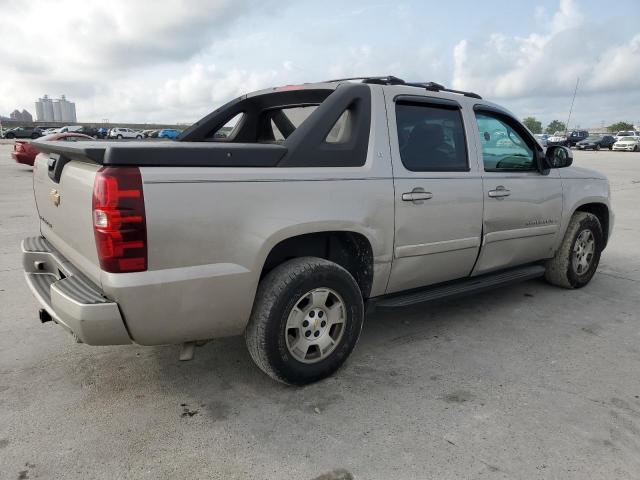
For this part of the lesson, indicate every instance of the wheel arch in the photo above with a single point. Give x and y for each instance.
(600, 210)
(350, 249)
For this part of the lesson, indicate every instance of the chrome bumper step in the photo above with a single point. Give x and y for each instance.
(70, 299)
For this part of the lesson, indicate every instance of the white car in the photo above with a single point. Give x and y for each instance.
(626, 133)
(70, 128)
(628, 144)
(542, 138)
(558, 138)
(124, 133)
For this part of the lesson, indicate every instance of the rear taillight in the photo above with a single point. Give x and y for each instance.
(119, 222)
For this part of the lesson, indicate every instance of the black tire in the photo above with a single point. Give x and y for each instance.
(279, 291)
(138, 137)
(635, 149)
(560, 270)
(34, 135)
(119, 137)
(10, 135)
(611, 148)
(597, 147)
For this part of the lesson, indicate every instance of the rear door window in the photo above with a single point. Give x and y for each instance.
(431, 138)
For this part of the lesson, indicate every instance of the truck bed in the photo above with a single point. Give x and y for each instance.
(167, 154)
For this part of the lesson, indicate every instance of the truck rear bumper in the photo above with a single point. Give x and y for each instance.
(71, 300)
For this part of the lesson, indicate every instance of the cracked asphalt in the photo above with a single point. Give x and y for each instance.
(524, 382)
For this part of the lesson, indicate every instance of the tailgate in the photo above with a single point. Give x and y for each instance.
(65, 210)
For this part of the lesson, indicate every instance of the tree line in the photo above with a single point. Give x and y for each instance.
(557, 126)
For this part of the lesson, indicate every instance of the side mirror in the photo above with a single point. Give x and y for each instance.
(558, 157)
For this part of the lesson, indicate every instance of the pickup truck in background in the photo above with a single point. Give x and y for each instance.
(322, 199)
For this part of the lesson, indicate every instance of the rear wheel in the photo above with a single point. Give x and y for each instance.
(597, 147)
(139, 137)
(306, 320)
(10, 135)
(577, 259)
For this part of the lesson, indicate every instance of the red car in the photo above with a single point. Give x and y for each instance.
(24, 152)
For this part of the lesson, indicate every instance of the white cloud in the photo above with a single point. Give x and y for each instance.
(547, 64)
(176, 60)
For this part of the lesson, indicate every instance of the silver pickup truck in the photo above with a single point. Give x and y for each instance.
(321, 200)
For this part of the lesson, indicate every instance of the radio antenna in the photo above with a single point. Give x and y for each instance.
(566, 128)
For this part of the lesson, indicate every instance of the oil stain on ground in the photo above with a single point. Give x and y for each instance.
(459, 396)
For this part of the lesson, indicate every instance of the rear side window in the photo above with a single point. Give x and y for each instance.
(431, 138)
(282, 122)
(341, 130)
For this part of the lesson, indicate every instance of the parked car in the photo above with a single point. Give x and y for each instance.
(628, 144)
(70, 128)
(124, 133)
(557, 139)
(153, 134)
(168, 133)
(90, 131)
(596, 142)
(576, 136)
(103, 132)
(542, 138)
(626, 133)
(25, 152)
(164, 243)
(23, 132)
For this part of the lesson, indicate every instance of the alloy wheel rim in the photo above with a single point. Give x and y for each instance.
(315, 325)
(583, 252)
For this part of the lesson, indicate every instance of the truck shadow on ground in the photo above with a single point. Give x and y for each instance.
(222, 371)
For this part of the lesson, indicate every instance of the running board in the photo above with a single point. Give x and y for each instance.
(462, 287)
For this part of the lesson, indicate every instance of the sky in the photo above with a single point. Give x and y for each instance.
(174, 61)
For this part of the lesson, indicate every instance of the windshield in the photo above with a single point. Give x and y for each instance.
(628, 139)
(593, 139)
(624, 134)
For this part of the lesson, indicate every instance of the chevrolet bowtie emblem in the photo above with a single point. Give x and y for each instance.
(54, 196)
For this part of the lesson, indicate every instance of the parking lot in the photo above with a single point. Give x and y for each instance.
(528, 381)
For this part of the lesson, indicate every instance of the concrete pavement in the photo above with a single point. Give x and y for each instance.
(527, 381)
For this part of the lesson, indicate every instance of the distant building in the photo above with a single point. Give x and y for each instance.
(21, 116)
(55, 110)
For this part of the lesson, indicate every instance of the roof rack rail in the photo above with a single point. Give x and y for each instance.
(383, 80)
(436, 87)
(391, 80)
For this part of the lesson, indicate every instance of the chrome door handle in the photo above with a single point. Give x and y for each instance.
(416, 196)
(499, 192)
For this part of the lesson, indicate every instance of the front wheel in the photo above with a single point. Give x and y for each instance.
(577, 259)
(119, 137)
(597, 147)
(139, 137)
(306, 320)
(10, 135)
